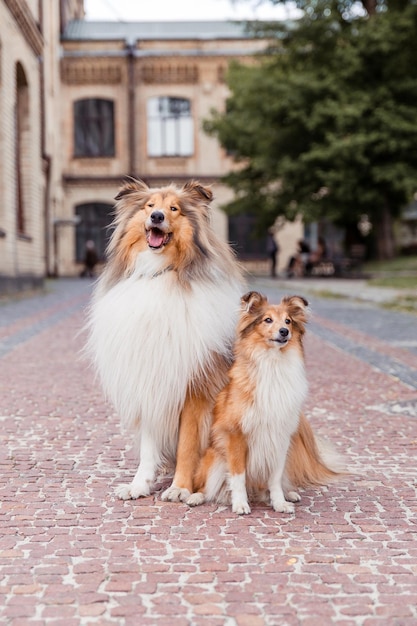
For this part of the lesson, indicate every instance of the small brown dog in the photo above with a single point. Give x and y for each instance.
(261, 443)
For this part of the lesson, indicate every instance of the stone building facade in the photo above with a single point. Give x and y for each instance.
(85, 104)
(30, 165)
(150, 86)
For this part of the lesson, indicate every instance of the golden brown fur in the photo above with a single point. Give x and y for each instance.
(163, 324)
(257, 416)
(305, 465)
(194, 252)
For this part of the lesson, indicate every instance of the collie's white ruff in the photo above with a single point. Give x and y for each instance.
(150, 338)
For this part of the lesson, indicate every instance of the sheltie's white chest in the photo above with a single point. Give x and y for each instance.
(280, 389)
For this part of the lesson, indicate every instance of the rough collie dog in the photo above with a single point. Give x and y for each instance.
(261, 443)
(162, 326)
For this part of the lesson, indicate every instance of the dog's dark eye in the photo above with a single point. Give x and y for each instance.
(174, 208)
(288, 321)
(268, 320)
(151, 205)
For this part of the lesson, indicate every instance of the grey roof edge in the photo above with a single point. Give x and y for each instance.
(74, 54)
(85, 30)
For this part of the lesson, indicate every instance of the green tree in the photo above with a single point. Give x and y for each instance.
(325, 125)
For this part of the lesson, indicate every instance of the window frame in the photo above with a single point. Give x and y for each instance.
(170, 127)
(94, 128)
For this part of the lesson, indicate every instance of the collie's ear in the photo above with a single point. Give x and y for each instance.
(131, 186)
(252, 301)
(194, 188)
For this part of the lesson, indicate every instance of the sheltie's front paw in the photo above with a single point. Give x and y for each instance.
(175, 494)
(196, 499)
(131, 492)
(241, 507)
(293, 496)
(281, 506)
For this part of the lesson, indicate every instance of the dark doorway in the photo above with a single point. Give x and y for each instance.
(245, 239)
(95, 225)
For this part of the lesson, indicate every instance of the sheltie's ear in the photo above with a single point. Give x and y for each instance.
(131, 186)
(252, 302)
(197, 191)
(297, 307)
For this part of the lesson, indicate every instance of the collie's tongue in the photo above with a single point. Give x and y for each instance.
(156, 238)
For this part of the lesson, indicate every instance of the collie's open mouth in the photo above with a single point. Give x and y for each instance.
(156, 238)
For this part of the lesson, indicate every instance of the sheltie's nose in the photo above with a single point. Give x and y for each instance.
(283, 332)
(157, 217)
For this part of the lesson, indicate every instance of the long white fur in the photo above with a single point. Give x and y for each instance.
(280, 385)
(161, 339)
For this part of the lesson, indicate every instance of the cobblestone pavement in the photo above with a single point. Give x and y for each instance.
(71, 553)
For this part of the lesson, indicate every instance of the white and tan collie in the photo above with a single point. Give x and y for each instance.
(261, 443)
(162, 327)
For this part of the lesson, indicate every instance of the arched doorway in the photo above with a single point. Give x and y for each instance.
(95, 220)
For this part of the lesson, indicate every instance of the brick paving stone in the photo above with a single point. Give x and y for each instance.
(71, 553)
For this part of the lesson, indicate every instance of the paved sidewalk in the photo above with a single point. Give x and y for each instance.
(356, 288)
(71, 553)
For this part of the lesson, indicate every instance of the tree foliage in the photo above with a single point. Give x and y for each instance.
(326, 123)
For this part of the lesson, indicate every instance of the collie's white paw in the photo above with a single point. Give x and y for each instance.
(175, 494)
(241, 507)
(131, 492)
(196, 499)
(281, 506)
(293, 496)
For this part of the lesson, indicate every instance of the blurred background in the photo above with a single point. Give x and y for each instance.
(302, 117)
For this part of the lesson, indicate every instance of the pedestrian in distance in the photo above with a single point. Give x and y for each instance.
(272, 250)
(90, 259)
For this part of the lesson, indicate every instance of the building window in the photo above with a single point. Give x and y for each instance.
(94, 128)
(170, 127)
(95, 221)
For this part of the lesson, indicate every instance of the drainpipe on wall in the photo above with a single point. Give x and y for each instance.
(47, 214)
(131, 127)
(46, 158)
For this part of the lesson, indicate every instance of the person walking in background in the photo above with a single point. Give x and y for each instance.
(90, 259)
(272, 251)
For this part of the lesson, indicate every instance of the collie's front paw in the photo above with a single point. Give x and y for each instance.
(281, 506)
(293, 496)
(131, 492)
(175, 494)
(196, 499)
(241, 507)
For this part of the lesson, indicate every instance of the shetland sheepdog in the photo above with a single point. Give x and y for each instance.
(162, 326)
(261, 443)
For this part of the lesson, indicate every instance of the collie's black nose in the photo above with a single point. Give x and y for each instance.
(283, 332)
(157, 217)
